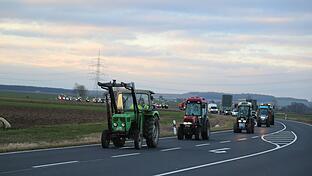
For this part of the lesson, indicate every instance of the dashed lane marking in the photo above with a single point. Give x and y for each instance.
(242, 139)
(125, 155)
(222, 142)
(55, 164)
(200, 145)
(170, 149)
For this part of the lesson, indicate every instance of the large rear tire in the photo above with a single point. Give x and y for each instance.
(151, 131)
(105, 139)
(197, 133)
(180, 133)
(258, 123)
(272, 122)
(205, 132)
(249, 126)
(267, 123)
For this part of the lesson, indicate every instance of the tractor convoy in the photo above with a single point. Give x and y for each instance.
(132, 115)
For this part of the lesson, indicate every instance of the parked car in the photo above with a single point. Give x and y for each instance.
(234, 112)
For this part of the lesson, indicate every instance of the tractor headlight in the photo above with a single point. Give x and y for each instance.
(123, 124)
(115, 124)
(244, 121)
(239, 121)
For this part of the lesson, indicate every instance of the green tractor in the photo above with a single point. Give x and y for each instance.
(130, 115)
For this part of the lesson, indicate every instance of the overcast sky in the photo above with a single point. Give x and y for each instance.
(176, 46)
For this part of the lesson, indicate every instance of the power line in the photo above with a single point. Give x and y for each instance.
(97, 73)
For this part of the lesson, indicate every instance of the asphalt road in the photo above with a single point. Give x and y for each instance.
(282, 149)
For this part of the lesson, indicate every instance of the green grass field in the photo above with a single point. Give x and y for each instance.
(307, 118)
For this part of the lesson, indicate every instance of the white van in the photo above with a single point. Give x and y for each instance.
(213, 108)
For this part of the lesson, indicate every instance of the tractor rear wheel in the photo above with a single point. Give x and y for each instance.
(119, 141)
(138, 139)
(258, 123)
(205, 132)
(151, 131)
(105, 139)
(272, 121)
(235, 128)
(180, 133)
(197, 133)
(249, 126)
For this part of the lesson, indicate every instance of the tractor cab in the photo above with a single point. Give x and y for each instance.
(123, 119)
(195, 120)
(264, 115)
(196, 108)
(244, 120)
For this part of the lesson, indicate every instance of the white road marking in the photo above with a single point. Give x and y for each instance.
(200, 145)
(124, 155)
(242, 139)
(55, 164)
(225, 131)
(222, 142)
(233, 159)
(254, 137)
(221, 150)
(130, 147)
(170, 149)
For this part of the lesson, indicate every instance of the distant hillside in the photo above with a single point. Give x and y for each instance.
(32, 89)
(211, 96)
(216, 96)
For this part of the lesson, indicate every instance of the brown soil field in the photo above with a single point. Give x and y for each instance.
(24, 117)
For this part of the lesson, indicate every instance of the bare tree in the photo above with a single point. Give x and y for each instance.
(80, 90)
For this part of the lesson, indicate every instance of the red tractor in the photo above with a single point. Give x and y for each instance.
(182, 105)
(196, 121)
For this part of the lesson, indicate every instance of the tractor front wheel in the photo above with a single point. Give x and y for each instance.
(105, 139)
(138, 139)
(235, 128)
(151, 130)
(119, 141)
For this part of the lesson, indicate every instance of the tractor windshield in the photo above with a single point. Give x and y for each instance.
(193, 109)
(263, 112)
(125, 101)
(243, 111)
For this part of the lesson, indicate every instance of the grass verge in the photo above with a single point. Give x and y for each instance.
(306, 118)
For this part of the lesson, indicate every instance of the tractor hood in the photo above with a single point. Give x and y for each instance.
(121, 122)
(191, 119)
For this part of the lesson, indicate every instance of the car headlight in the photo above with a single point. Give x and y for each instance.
(123, 124)
(115, 124)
